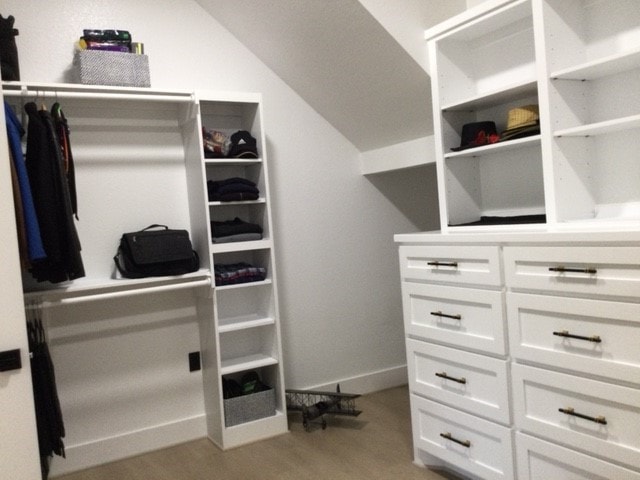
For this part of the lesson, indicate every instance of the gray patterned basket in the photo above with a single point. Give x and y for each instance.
(247, 408)
(98, 67)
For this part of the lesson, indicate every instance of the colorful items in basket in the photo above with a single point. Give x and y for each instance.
(109, 40)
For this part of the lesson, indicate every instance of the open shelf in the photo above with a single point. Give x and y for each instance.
(240, 246)
(249, 362)
(602, 67)
(243, 322)
(505, 94)
(496, 147)
(599, 128)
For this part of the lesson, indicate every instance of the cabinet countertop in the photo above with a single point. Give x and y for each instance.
(630, 236)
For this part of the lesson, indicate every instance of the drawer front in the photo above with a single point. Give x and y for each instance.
(456, 316)
(589, 336)
(597, 417)
(580, 270)
(537, 459)
(478, 446)
(451, 264)
(471, 382)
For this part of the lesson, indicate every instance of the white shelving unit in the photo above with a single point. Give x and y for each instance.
(481, 70)
(580, 62)
(246, 329)
(139, 160)
(593, 82)
(508, 298)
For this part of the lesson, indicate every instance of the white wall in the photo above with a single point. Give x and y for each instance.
(406, 21)
(473, 3)
(339, 282)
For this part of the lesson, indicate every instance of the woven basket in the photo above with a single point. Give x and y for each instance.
(247, 408)
(99, 67)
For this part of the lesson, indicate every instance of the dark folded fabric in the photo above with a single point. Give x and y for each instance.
(229, 274)
(505, 220)
(233, 227)
(237, 197)
(241, 237)
(232, 189)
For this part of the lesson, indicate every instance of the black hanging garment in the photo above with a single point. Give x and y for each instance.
(49, 422)
(10, 67)
(53, 201)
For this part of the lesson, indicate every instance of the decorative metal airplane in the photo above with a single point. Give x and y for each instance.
(316, 404)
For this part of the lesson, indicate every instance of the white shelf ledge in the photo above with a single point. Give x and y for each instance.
(244, 285)
(73, 90)
(249, 362)
(240, 246)
(599, 128)
(233, 324)
(243, 202)
(602, 67)
(495, 148)
(506, 94)
(222, 162)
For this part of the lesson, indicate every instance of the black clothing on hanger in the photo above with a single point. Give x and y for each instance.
(49, 422)
(52, 199)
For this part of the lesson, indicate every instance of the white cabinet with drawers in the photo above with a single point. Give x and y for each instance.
(542, 357)
(456, 356)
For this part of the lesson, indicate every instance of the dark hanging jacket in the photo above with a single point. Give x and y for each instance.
(52, 199)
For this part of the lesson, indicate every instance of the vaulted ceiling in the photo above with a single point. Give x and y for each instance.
(343, 61)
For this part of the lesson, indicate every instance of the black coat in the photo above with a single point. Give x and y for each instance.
(52, 199)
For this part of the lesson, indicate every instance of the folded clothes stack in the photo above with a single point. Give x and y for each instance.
(232, 273)
(235, 230)
(232, 190)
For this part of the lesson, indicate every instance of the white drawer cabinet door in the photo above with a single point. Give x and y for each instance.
(463, 317)
(599, 418)
(540, 460)
(581, 270)
(475, 383)
(478, 265)
(478, 446)
(593, 337)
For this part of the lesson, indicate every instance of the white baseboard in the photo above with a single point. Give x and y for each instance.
(105, 450)
(369, 382)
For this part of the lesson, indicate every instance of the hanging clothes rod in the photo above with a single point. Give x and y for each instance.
(61, 94)
(48, 302)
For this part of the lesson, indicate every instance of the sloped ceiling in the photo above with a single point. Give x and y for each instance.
(340, 60)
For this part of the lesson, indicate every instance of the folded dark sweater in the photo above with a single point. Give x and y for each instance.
(232, 189)
(233, 227)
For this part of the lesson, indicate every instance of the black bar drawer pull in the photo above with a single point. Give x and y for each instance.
(590, 271)
(448, 436)
(446, 315)
(447, 377)
(570, 411)
(566, 334)
(436, 263)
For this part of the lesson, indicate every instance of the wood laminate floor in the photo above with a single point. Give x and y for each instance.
(375, 445)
